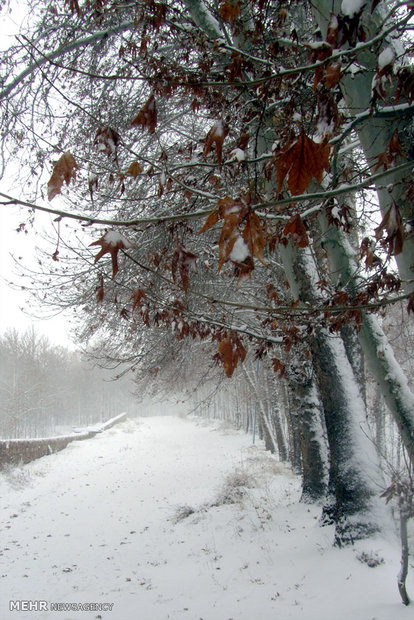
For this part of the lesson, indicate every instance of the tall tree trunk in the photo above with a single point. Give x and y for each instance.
(375, 133)
(378, 352)
(355, 475)
(312, 432)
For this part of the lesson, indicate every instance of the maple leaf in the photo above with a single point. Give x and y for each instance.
(302, 161)
(147, 116)
(64, 170)
(111, 243)
(183, 261)
(216, 136)
(230, 352)
(230, 10)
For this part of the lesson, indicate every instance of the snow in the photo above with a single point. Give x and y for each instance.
(240, 251)
(238, 154)
(115, 239)
(386, 58)
(350, 7)
(138, 518)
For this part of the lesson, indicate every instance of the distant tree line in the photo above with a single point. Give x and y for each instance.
(46, 389)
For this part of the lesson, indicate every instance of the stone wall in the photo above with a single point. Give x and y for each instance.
(14, 451)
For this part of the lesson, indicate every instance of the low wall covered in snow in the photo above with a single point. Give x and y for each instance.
(25, 450)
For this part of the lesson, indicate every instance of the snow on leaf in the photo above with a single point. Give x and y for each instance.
(332, 74)
(147, 116)
(111, 243)
(386, 58)
(64, 171)
(216, 137)
(183, 261)
(107, 141)
(350, 7)
(231, 212)
(302, 161)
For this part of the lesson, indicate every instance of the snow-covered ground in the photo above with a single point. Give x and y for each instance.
(166, 517)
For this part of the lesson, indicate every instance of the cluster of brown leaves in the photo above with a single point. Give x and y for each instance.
(279, 367)
(107, 141)
(367, 252)
(230, 352)
(111, 243)
(230, 10)
(405, 87)
(240, 222)
(64, 170)
(147, 116)
(300, 161)
(295, 231)
(388, 158)
(183, 261)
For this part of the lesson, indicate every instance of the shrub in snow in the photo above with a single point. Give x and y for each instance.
(234, 488)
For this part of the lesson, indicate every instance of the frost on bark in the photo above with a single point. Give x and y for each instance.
(308, 410)
(354, 468)
(377, 350)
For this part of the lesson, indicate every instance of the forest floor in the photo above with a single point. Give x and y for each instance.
(165, 517)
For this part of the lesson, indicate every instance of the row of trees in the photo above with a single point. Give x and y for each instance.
(241, 171)
(47, 390)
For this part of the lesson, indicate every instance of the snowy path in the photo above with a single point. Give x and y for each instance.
(96, 524)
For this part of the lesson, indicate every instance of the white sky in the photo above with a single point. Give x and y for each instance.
(14, 305)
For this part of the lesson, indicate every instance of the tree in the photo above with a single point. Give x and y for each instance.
(213, 151)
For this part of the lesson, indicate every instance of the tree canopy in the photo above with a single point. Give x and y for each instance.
(238, 173)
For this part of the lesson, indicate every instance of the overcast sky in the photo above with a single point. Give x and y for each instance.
(14, 305)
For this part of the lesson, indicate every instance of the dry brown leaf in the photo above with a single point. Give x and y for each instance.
(134, 169)
(64, 171)
(295, 229)
(212, 219)
(111, 243)
(147, 116)
(302, 161)
(183, 261)
(230, 352)
(216, 136)
(254, 237)
(230, 10)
